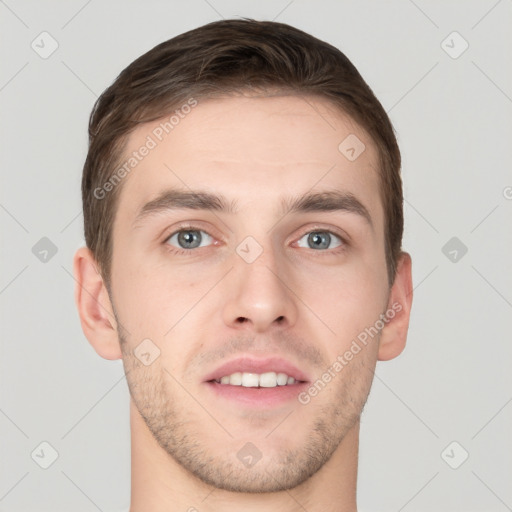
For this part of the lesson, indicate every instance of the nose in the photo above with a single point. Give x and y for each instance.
(259, 295)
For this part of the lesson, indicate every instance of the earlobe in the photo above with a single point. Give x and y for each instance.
(94, 306)
(394, 334)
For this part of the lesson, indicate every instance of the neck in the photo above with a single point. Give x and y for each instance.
(159, 483)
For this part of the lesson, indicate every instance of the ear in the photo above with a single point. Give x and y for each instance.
(394, 333)
(94, 306)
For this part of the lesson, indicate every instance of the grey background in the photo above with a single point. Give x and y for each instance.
(452, 117)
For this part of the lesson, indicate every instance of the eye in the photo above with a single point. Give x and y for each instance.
(188, 238)
(320, 239)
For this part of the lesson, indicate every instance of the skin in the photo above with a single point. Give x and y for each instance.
(209, 305)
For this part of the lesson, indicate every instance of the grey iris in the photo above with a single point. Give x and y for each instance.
(319, 240)
(189, 237)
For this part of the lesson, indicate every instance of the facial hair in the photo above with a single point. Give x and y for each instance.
(210, 455)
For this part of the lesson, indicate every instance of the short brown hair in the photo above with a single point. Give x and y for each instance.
(221, 58)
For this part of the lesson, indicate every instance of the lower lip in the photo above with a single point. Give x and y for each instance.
(258, 397)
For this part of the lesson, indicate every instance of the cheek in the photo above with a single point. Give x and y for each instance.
(156, 299)
(347, 299)
(138, 298)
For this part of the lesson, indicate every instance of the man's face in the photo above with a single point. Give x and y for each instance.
(261, 283)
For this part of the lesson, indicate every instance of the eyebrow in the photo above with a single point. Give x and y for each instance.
(175, 199)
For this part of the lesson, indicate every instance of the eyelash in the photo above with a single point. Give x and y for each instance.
(189, 227)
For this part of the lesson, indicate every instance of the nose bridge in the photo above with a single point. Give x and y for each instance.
(260, 263)
(261, 295)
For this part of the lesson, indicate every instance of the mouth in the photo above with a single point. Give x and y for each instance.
(257, 382)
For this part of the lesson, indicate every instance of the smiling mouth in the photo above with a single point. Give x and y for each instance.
(257, 380)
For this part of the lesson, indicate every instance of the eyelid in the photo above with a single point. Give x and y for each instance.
(195, 226)
(184, 226)
(341, 234)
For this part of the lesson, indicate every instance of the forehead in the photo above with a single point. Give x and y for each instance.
(251, 149)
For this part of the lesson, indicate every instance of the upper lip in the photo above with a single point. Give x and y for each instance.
(250, 364)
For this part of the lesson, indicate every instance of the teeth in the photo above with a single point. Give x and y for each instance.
(282, 379)
(254, 380)
(250, 380)
(268, 380)
(235, 379)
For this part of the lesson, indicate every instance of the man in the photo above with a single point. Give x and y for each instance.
(243, 219)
